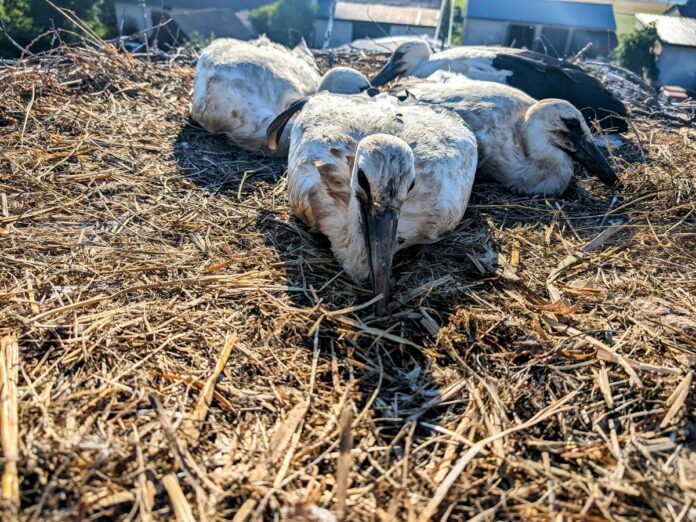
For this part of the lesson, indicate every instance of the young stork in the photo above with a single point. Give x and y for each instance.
(526, 145)
(241, 87)
(536, 74)
(376, 176)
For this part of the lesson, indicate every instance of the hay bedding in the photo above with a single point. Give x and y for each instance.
(539, 364)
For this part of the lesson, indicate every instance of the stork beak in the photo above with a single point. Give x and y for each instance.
(380, 231)
(391, 70)
(591, 158)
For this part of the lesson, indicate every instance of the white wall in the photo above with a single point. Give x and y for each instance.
(484, 32)
(677, 66)
(341, 34)
(399, 30)
(319, 32)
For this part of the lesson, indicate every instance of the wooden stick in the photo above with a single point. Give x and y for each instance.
(677, 400)
(200, 411)
(344, 461)
(182, 509)
(9, 425)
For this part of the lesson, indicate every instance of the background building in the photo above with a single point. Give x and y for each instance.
(675, 48)
(361, 19)
(555, 27)
(222, 18)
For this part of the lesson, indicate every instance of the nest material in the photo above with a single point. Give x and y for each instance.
(186, 346)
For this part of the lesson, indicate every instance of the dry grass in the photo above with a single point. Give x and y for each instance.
(538, 363)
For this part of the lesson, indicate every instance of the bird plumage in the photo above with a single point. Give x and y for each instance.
(536, 74)
(527, 145)
(344, 80)
(346, 148)
(241, 87)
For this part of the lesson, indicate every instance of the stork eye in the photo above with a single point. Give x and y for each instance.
(362, 181)
(573, 125)
(413, 184)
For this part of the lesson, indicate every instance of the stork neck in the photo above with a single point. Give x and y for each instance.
(544, 169)
(348, 243)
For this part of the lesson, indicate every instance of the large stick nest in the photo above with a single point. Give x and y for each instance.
(558, 334)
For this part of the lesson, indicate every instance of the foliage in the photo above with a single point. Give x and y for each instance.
(24, 20)
(636, 52)
(197, 42)
(457, 21)
(283, 17)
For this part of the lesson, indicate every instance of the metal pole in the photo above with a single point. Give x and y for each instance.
(329, 25)
(439, 19)
(451, 21)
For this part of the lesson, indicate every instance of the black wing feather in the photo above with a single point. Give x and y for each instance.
(544, 77)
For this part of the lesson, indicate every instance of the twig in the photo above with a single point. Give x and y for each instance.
(182, 509)
(184, 459)
(9, 424)
(458, 468)
(21, 49)
(190, 427)
(677, 399)
(343, 467)
(26, 114)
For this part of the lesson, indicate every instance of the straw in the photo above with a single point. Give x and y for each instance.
(185, 348)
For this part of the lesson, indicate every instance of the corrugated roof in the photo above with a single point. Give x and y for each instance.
(433, 4)
(236, 5)
(389, 43)
(386, 14)
(675, 30)
(545, 12)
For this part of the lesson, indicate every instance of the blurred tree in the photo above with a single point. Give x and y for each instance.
(14, 19)
(279, 19)
(24, 20)
(636, 52)
(457, 21)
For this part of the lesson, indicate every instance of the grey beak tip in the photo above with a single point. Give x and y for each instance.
(380, 306)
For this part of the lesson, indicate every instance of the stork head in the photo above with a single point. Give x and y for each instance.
(556, 132)
(383, 174)
(403, 61)
(344, 80)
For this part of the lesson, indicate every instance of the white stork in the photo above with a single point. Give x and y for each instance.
(536, 74)
(526, 145)
(376, 176)
(241, 87)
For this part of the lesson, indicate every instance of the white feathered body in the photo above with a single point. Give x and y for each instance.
(475, 63)
(241, 87)
(496, 113)
(322, 151)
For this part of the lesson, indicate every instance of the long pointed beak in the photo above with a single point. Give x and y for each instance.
(380, 231)
(591, 158)
(391, 70)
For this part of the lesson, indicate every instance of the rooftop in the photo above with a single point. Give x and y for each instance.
(236, 5)
(548, 12)
(674, 30)
(388, 14)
